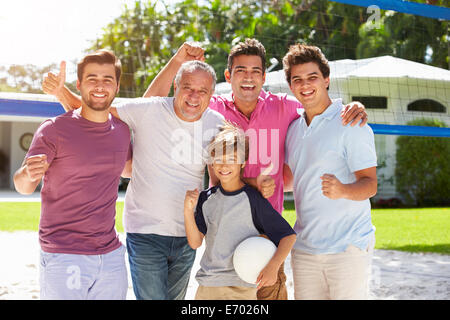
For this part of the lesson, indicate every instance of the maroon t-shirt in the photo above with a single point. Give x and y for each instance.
(80, 187)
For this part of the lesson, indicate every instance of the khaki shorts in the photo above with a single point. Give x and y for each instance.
(225, 293)
(277, 291)
(341, 276)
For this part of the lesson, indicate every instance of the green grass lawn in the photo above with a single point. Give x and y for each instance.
(413, 230)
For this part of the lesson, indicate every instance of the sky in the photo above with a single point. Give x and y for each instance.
(42, 32)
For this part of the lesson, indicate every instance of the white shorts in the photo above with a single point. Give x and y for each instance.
(340, 276)
(83, 277)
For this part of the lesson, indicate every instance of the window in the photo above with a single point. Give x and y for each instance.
(371, 102)
(426, 105)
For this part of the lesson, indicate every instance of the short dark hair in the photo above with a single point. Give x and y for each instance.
(101, 56)
(300, 54)
(250, 47)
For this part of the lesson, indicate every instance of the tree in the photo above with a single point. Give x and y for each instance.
(145, 37)
(422, 172)
(23, 78)
(406, 36)
(136, 37)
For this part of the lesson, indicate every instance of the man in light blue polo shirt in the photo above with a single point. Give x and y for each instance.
(334, 175)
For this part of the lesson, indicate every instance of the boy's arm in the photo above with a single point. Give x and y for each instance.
(268, 275)
(194, 236)
(363, 188)
(160, 86)
(274, 227)
(28, 176)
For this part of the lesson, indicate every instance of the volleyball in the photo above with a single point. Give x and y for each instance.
(251, 256)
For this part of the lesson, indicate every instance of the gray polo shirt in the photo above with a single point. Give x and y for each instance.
(226, 219)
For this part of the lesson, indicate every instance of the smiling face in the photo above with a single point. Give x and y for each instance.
(227, 169)
(98, 86)
(309, 86)
(246, 78)
(193, 94)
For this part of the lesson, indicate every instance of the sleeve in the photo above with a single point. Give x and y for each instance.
(267, 220)
(199, 218)
(132, 112)
(44, 141)
(359, 148)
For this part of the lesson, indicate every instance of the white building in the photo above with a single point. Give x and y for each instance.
(393, 90)
(20, 116)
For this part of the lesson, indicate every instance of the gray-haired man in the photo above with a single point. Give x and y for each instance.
(169, 136)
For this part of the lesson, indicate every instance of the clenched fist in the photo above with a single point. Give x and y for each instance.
(36, 166)
(190, 201)
(190, 51)
(331, 187)
(265, 183)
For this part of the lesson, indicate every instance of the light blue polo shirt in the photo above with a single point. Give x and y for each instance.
(326, 146)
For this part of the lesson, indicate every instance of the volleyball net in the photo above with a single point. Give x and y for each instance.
(392, 56)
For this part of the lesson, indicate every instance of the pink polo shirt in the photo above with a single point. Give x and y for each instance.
(266, 128)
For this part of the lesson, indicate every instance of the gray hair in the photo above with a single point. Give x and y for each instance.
(192, 66)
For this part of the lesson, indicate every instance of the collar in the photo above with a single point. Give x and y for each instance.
(229, 100)
(329, 113)
(332, 109)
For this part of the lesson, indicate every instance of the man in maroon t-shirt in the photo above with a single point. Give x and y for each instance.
(80, 155)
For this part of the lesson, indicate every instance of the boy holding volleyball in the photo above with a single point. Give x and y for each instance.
(227, 214)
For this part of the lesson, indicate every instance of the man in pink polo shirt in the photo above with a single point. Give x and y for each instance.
(264, 116)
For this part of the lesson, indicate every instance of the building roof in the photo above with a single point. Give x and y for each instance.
(29, 105)
(377, 67)
(386, 67)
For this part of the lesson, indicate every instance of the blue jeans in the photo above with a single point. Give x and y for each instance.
(160, 266)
